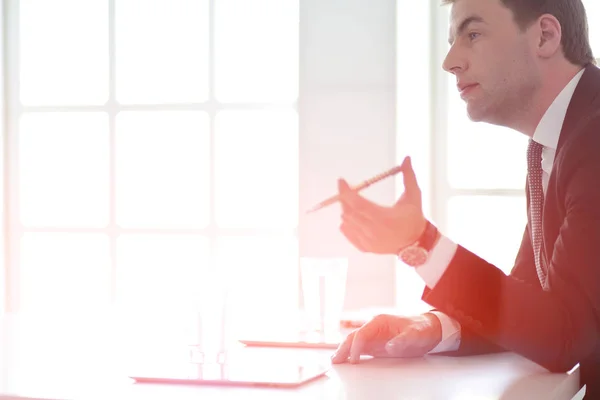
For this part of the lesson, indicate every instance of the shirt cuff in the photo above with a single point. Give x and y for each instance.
(450, 334)
(438, 261)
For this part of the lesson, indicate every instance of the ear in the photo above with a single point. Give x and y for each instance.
(549, 36)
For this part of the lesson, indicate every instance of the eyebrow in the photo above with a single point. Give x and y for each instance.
(465, 24)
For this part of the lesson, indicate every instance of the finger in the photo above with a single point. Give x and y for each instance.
(365, 228)
(361, 338)
(411, 187)
(396, 345)
(354, 236)
(343, 351)
(344, 188)
(408, 344)
(360, 232)
(350, 198)
(413, 342)
(363, 219)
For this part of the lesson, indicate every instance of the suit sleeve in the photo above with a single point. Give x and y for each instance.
(555, 328)
(524, 269)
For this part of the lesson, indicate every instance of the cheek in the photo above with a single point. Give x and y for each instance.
(493, 65)
(497, 74)
(506, 72)
(525, 71)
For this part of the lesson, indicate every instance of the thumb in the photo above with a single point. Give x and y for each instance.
(411, 187)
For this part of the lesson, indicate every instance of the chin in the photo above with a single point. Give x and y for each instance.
(480, 113)
(475, 115)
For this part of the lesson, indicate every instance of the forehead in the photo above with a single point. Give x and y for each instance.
(488, 11)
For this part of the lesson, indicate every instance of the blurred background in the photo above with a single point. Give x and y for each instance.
(156, 150)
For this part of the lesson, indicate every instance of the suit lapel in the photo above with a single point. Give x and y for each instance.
(583, 105)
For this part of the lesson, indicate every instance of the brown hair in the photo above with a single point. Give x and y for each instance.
(569, 13)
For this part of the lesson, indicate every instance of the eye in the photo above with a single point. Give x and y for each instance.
(473, 35)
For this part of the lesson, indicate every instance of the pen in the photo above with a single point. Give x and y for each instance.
(363, 185)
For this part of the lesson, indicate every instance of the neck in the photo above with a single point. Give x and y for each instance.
(554, 79)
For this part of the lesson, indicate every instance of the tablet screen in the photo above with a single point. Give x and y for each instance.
(296, 340)
(247, 367)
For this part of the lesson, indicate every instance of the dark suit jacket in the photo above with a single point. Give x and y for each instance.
(560, 327)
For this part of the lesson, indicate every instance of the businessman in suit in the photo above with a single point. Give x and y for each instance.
(526, 65)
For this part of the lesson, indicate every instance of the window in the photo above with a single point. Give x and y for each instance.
(479, 170)
(459, 180)
(145, 139)
(592, 9)
(482, 198)
(480, 186)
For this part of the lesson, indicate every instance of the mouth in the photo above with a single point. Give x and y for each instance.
(466, 89)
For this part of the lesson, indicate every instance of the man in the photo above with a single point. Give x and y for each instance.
(526, 65)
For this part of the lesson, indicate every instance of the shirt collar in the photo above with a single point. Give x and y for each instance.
(548, 130)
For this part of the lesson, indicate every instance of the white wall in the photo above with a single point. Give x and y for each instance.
(347, 128)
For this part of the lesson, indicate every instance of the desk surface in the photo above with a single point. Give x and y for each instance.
(88, 358)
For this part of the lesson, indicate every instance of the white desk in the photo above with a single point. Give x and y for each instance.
(51, 358)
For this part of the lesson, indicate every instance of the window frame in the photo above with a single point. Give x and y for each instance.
(13, 109)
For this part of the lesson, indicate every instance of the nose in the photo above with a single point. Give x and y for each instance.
(455, 61)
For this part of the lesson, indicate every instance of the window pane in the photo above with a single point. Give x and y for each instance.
(64, 272)
(256, 50)
(482, 155)
(163, 161)
(262, 278)
(161, 51)
(63, 52)
(491, 227)
(63, 169)
(160, 273)
(592, 8)
(409, 290)
(257, 169)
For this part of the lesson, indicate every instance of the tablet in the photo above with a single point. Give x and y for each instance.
(295, 340)
(288, 342)
(243, 368)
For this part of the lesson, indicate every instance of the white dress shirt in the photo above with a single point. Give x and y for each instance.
(546, 133)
